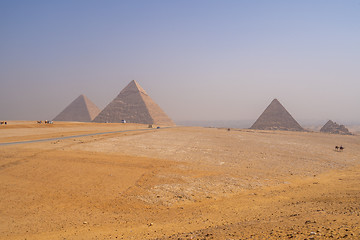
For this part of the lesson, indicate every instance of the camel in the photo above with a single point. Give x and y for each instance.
(339, 149)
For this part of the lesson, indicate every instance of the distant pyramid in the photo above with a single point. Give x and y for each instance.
(333, 127)
(80, 110)
(275, 117)
(133, 105)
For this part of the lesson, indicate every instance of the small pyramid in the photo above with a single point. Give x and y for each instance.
(133, 105)
(333, 127)
(276, 117)
(80, 110)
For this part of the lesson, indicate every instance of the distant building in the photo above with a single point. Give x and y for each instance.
(276, 117)
(133, 105)
(80, 110)
(333, 127)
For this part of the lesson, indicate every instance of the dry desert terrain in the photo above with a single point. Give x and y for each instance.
(176, 183)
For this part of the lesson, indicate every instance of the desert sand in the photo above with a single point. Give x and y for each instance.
(176, 183)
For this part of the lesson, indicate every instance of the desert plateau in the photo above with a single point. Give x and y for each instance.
(128, 181)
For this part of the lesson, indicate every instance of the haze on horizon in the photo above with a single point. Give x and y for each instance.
(199, 60)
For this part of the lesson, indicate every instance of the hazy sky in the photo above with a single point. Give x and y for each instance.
(198, 59)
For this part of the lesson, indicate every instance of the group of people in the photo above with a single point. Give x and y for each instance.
(46, 122)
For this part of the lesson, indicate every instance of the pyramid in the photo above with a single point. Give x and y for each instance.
(80, 110)
(133, 105)
(333, 127)
(275, 117)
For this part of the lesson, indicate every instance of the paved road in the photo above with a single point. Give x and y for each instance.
(75, 136)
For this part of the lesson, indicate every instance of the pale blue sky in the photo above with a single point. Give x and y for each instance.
(199, 60)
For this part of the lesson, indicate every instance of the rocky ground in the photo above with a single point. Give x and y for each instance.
(177, 183)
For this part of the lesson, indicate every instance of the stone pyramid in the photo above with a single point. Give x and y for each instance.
(333, 127)
(133, 105)
(80, 110)
(276, 117)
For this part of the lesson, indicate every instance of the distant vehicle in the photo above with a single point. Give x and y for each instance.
(123, 121)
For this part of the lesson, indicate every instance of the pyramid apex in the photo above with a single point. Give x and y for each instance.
(134, 82)
(275, 103)
(84, 97)
(133, 86)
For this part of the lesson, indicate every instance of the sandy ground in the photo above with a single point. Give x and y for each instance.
(177, 183)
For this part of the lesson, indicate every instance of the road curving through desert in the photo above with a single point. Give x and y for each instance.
(77, 136)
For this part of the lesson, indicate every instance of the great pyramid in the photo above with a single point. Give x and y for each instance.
(333, 127)
(133, 105)
(80, 110)
(276, 117)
